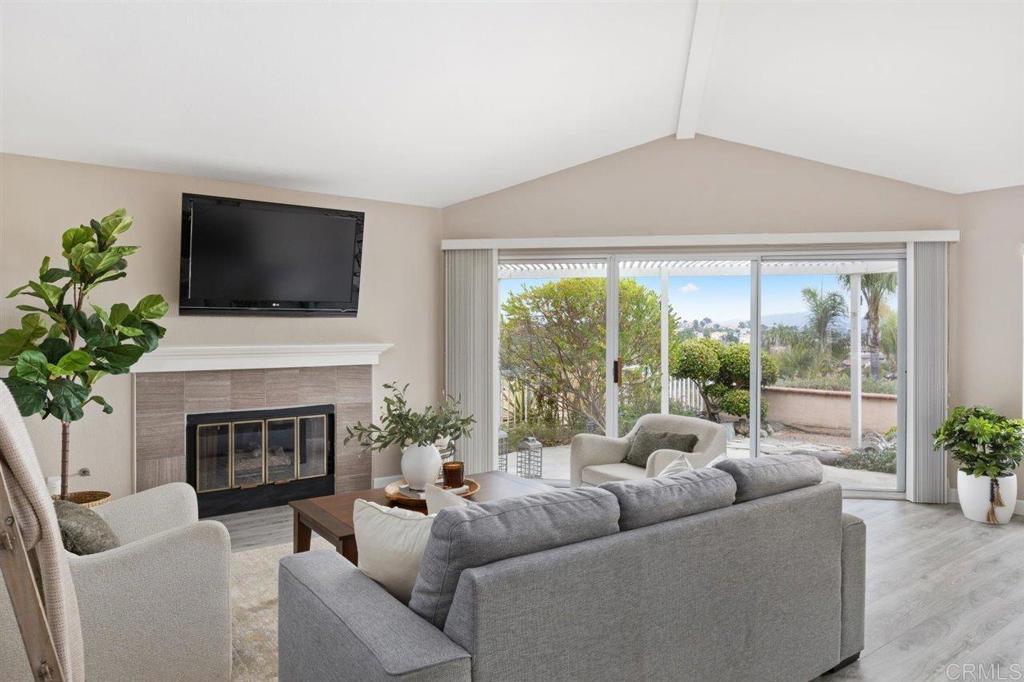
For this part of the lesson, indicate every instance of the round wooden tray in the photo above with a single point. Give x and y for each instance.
(393, 491)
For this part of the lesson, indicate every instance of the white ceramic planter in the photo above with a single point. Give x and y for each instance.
(973, 493)
(421, 465)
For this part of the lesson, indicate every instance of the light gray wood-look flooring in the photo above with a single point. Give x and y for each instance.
(943, 593)
(945, 596)
(258, 528)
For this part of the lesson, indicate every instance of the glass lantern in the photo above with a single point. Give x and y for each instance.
(530, 458)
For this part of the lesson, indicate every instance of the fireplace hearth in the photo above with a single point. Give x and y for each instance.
(242, 460)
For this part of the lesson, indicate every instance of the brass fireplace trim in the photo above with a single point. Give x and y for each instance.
(295, 422)
(230, 454)
(295, 449)
(263, 452)
(298, 459)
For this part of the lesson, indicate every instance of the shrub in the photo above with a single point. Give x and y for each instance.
(722, 374)
(882, 461)
(699, 360)
(548, 434)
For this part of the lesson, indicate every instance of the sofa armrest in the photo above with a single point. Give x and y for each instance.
(158, 608)
(151, 511)
(589, 449)
(853, 585)
(336, 624)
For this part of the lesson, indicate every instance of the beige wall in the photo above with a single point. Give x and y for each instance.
(828, 410)
(699, 186)
(400, 301)
(986, 332)
(711, 186)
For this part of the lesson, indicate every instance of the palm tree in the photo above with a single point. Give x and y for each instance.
(875, 287)
(825, 310)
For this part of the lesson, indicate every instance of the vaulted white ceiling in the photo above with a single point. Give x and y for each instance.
(434, 103)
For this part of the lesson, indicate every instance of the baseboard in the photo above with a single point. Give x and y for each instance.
(952, 498)
(384, 480)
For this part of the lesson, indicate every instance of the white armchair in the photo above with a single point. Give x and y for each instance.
(156, 608)
(596, 459)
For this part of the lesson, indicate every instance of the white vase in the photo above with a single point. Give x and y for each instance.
(974, 495)
(421, 465)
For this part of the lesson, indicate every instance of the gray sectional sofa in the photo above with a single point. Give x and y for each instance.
(745, 571)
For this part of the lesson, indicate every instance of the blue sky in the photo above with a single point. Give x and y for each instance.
(723, 298)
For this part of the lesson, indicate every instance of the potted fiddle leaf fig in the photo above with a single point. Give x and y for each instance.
(65, 344)
(988, 448)
(418, 434)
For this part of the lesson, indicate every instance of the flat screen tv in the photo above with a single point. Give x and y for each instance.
(256, 258)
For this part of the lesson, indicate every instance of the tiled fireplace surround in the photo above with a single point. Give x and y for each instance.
(163, 399)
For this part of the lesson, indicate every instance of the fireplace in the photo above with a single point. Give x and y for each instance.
(243, 460)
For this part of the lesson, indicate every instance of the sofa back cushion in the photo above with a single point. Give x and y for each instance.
(480, 534)
(771, 474)
(647, 501)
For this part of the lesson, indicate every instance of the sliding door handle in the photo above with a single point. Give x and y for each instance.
(617, 370)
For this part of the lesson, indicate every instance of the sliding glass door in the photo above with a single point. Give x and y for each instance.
(672, 315)
(795, 355)
(552, 361)
(831, 370)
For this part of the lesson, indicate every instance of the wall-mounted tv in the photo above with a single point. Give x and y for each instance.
(243, 257)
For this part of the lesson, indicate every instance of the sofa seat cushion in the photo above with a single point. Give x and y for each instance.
(480, 534)
(647, 501)
(646, 441)
(771, 474)
(619, 471)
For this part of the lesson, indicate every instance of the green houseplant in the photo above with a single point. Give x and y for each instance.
(988, 448)
(61, 349)
(416, 433)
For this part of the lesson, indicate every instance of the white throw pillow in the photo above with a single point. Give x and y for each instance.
(438, 498)
(677, 466)
(391, 542)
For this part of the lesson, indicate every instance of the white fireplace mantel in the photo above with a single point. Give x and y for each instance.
(198, 358)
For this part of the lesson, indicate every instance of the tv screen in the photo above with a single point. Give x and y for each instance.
(253, 257)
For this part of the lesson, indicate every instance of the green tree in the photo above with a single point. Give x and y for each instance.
(59, 351)
(825, 310)
(875, 287)
(890, 338)
(552, 340)
(722, 374)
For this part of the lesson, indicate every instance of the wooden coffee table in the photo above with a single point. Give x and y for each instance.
(330, 516)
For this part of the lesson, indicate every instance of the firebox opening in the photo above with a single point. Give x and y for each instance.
(259, 458)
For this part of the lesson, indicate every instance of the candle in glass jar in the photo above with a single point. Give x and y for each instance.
(453, 474)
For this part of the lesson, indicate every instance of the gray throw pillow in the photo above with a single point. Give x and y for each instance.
(82, 530)
(479, 534)
(645, 442)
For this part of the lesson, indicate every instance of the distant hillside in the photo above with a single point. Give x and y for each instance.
(798, 319)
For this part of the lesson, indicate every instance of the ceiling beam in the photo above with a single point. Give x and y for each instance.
(698, 64)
